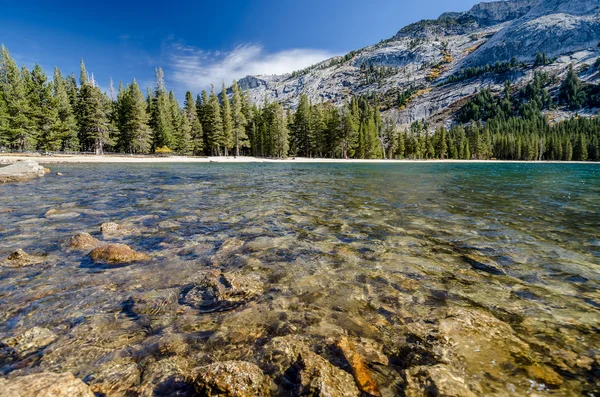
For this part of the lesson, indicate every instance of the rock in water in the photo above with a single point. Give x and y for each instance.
(22, 170)
(231, 379)
(20, 258)
(45, 384)
(362, 375)
(112, 229)
(292, 361)
(423, 381)
(83, 242)
(30, 341)
(219, 292)
(484, 264)
(115, 254)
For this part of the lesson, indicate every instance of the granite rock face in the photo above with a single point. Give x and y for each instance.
(422, 55)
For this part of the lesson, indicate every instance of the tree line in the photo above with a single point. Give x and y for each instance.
(69, 114)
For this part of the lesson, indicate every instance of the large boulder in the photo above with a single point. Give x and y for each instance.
(231, 379)
(45, 384)
(116, 254)
(21, 170)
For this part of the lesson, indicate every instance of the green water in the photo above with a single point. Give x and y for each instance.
(399, 255)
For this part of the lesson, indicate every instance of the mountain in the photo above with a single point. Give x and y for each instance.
(429, 68)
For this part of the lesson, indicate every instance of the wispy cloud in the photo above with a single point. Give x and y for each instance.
(196, 70)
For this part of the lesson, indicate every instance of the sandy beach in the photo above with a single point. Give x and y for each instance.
(120, 159)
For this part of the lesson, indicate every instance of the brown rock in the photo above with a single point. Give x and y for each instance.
(362, 375)
(20, 258)
(228, 248)
(231, 379)
(545, 375)
(116, 253)
(83, 242)
(45, 384)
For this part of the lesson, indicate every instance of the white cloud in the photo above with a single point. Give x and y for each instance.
(196, 70)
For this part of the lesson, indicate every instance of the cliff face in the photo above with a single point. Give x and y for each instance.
(424, 54)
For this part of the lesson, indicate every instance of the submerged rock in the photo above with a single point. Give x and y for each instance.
(227, 249)
(219, 291)
(437, 380)
(544, 374)
(61, 214)
(297, 368)
(112, 229)
(45, 384)
(484, 264)
(21, 170)
(482, 342)
(362, 375)
(83, 242)
(231, 379)
(20, 258)
(115, 254)
(152, 302)
(117, 378)
(30, 341)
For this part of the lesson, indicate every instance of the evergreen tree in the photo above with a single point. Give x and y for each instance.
(213, 124)
(135, 124)
(67, 126)
(92, 115)
(240, 138)
(182, 138)
(43, 111)
(19, 130)
(227, 136)
(196, 133)
(160, 121)
(301, 128)
(571, 91)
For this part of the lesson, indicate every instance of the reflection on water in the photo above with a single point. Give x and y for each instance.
(484, 273)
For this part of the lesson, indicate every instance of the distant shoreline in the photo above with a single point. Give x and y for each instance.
(121, 159)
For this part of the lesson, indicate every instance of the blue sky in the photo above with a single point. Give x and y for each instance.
(198, 42)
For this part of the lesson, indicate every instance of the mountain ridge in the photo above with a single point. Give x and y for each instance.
(423, 55)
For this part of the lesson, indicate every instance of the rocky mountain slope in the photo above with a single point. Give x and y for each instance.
(419, 60)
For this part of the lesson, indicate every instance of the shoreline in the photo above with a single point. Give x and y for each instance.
(6, 159)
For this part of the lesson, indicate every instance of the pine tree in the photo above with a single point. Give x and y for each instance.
(227, 135)
(161, 122)
(67, 126)
(19, 130)
(213, 124)
(92, 115)
(301, 128)
(181, 127)
(571, 92)
(240, 138)
(136, 132)
(43, 111)
(196, 134)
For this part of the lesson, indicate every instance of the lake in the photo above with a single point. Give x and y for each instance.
(474, 278)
